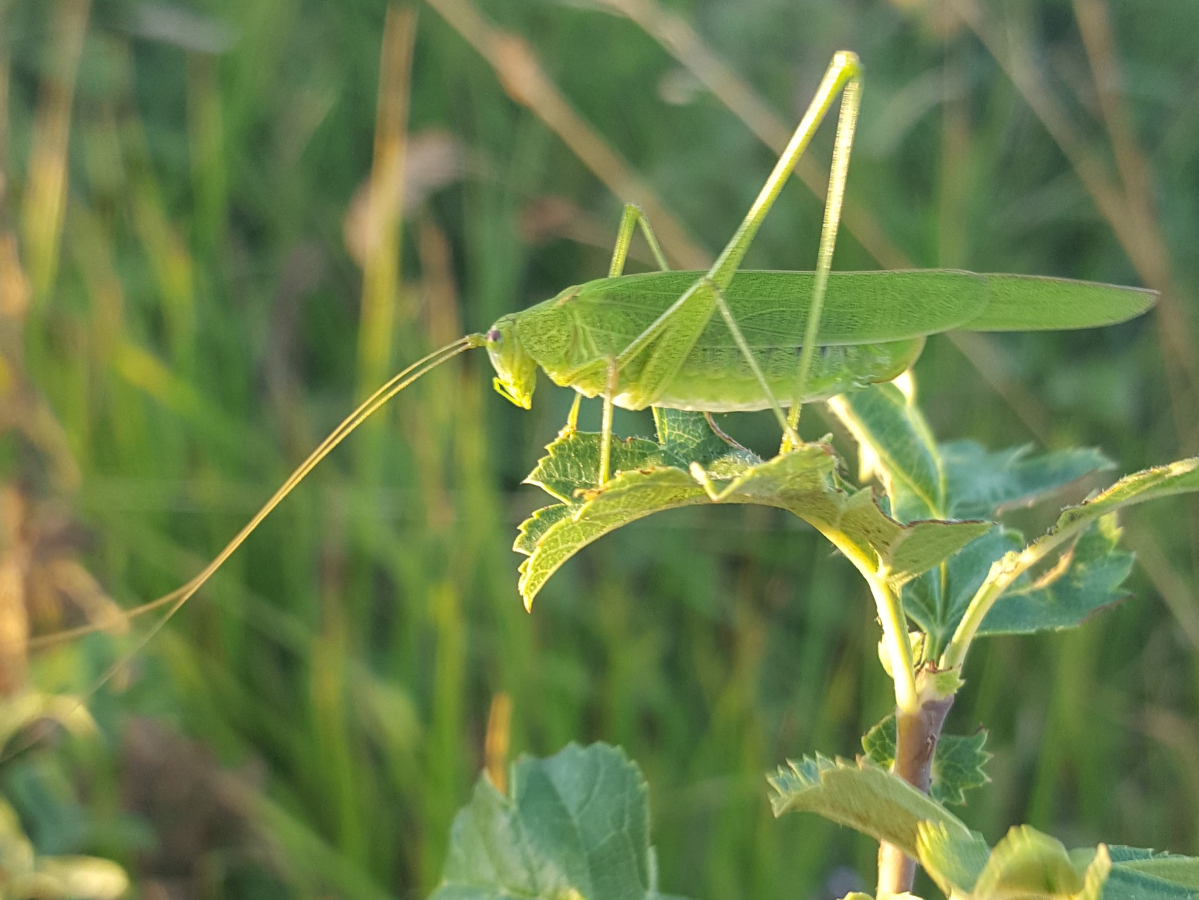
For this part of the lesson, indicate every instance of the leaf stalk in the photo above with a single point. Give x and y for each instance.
(895, 638)
(1004, 572)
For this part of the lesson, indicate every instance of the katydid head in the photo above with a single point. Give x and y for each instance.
(516, 372)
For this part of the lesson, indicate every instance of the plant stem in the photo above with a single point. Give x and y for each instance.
(916, 736)
(918, 725)
(895, 636)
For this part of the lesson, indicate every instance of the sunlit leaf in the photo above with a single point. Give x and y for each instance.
(686, 437)
(895, 443)
(803, 482)
(1146, 874)
(958, 480)
(953, 859)
(1149, 484)
(1027, 863)
(862, 796)
(572, 463)
(963, 480)
(1181, 870)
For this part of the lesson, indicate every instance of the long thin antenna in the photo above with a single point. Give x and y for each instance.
(176, 598)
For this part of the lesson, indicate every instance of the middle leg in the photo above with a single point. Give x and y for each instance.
(632, 217)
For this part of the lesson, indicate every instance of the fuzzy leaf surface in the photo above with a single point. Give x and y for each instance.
(862, 796)
(575, 825)
(654, 477)
(1179, 477)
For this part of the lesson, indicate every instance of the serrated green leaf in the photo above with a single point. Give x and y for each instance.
(575, 826)
(624, 499)
(1149, 484)
(1128, 883)
(1027, 864)
(686, 437)
(1181, 870)
(572, 463)
(981, 483)
(879, 742)
(1080, 585)
(1145, 874)
(958, 480)
(1164, 481)
(937, 600)
(533, 529)
(862, 796)
(957, 765)
(953, 860)
(922, 545)
(894, 441)
(803, 482)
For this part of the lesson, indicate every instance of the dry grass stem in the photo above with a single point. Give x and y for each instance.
(526, 82)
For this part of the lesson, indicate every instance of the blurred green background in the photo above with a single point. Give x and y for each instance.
(206, 257)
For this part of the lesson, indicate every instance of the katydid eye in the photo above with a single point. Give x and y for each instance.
(494, 336)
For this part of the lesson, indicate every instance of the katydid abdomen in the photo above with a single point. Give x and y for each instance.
(719, 379)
